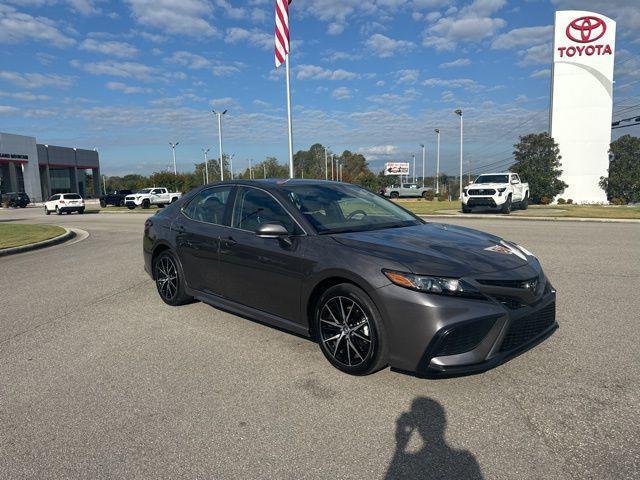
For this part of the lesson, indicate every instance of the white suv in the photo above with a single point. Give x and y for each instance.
(64, 202)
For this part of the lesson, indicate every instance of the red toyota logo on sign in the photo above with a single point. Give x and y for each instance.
(586, 29)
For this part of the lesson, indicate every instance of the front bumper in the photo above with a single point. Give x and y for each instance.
(483, 201)
(435, 335)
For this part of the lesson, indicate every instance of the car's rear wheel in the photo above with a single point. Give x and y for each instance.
(350, 330)
(524, 204)
(169, 281)
(131, 207)
(58, 211)
(174, 199)
(146, 203)
(394, 195)
(103, 203)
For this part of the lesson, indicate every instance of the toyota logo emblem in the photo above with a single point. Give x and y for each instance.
(586, 29)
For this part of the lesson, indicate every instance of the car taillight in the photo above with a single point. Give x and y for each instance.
(61, 201)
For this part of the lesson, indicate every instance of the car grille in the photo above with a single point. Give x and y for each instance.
(482, 191)
(463, 338)
(481, 202)
(527, 328)
(512, 303)
(530, 283)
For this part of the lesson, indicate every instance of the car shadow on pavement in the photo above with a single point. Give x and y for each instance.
(425, 424)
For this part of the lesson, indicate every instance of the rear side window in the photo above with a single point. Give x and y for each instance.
(209, 205)
(254, 207)
(72, 196)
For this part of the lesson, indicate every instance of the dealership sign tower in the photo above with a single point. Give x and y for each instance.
(582, 100)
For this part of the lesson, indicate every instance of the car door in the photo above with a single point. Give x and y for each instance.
(52, 202)
(198, 229)
(263, 273)
(517, 188)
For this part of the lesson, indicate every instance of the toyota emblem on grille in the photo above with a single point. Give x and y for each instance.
(531, 285)
(586, 29)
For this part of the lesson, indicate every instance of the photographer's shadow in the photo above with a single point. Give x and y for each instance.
(434, 459)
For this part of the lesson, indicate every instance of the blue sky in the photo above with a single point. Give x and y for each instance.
(376, 77)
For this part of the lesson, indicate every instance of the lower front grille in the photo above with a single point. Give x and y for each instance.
(527, 328)
(482, 191)
(481, 202)
(463, 338)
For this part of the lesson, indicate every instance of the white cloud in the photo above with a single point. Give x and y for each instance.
(543, 73)
(257, 38)
(537, 55)
(37, 80)
(189, 60)
(7, 110)
(523, 37)
(118, 69)
(333, 56)
(128, 89)
(341, 93)
(111, 48)
(314, 72)
(472, 23)
(407, 76)
(407, 96)
(221, 102)
(25, 96)
(460, 62)
(380, 150)
(463, 83)
(17, 27)
(335, 28)
(180, 17)
(385, 47)
(261, 103)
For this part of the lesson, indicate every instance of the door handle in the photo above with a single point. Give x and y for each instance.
(229, 242)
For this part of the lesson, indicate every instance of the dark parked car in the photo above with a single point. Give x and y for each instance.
(16, 199)
(116, 198)
(373, 284)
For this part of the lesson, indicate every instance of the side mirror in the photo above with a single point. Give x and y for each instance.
(515, 182)
(271, 230)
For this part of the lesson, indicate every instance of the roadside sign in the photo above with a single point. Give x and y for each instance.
(396, 168)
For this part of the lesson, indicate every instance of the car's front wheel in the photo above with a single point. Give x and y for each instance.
(46, 211)
(103, 203)
(506, 206)
(169, 280)
(350, 330)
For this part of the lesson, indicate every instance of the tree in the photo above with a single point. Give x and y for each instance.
(623, 181)
(537, 161)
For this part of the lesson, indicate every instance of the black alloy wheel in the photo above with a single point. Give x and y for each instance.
(168, 278)
(349, 330)
(146, 203)
(524, 204)
(394, 195)
(506, 206)
(103, 203)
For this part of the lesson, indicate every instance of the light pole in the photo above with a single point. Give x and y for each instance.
(437, 130)
(251, 169)
(326, 164)
(219, 115)
(414, 168)
(424, 153)
(459, 113)
(206, 165)
(173, 148)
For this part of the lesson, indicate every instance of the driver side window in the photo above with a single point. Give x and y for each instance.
(254, 207)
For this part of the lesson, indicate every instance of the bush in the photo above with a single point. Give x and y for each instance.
(569, 201)
(5, 203)
(561, 201)
(429, 195)
(618, 201)
(443, 197)
(545, 201)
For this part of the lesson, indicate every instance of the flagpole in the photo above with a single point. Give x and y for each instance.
(289, 118)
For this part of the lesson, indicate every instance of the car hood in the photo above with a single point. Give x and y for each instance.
(487, 185)
(437, 249)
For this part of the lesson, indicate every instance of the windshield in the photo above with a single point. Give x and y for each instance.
(145, 190)
(492, 179)
(334, 208)
(72, 196)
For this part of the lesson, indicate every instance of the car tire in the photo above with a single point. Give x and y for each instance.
(169, 279)
(465, 209)
(119, 203)
(58, 211)
(394, 195)
(103, 204)
(146, 203)
(131, 207)
(357, 346)
(23, 206)
(174, 199)
(506, 206)
(81, 211)
(524, 204)
(161, 205)
(46, 212)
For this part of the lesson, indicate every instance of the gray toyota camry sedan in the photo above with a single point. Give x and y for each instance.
(373, 284)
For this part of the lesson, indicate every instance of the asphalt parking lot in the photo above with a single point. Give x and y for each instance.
(100, 379)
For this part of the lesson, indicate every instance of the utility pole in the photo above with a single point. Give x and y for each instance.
(104, 184)
(414, 168)
(264, 170)
(251, 169)
(206, 165)
(459, 113)
(173, 149)
(326, 164)
(219, 115)
(424, 153)
(333, 159)
(469, 170)
(437, 130)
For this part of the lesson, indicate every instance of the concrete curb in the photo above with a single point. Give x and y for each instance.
(539, 219)
(67, 235)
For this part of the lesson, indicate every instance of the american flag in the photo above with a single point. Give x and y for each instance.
(282, 31)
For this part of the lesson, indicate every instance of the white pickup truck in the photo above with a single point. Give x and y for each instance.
(502, 191)
(151, 196)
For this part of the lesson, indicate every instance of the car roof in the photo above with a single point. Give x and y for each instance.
(277, 183)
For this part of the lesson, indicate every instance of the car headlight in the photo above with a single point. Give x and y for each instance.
(439, 285)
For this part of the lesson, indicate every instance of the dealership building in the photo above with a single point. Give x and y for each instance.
(43, 170)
